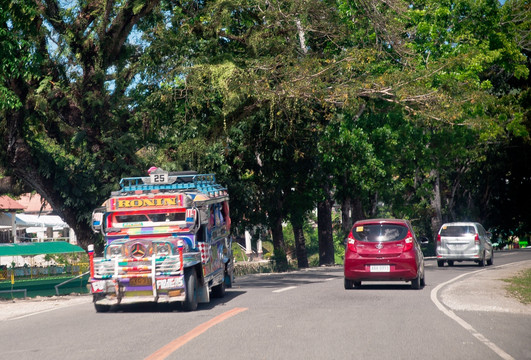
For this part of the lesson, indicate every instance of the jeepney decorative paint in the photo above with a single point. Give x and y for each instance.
(145, 202)
(137, 270)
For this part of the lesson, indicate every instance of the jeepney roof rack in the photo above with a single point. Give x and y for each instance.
(177, 182)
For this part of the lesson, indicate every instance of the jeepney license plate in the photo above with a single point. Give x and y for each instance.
(140, 282)
(380, 268)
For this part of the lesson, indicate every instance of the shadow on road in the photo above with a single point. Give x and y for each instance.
(152, 307)
(373, 286)
(275, 280)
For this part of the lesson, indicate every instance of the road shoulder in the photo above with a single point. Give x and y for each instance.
(13, 309)
(486, 291)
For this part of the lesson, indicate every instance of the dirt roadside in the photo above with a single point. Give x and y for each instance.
(480, 291)
(13, 309)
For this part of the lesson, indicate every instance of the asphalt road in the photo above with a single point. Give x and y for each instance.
(462, 313)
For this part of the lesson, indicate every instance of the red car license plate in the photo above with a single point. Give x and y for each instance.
(380, 268)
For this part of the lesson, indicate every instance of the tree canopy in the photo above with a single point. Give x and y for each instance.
(403, 109)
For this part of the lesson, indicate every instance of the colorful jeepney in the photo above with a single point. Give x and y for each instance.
(167, 240)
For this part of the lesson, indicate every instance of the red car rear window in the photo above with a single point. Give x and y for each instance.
(379, 232)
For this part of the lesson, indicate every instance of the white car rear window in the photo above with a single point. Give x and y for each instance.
(458, 230)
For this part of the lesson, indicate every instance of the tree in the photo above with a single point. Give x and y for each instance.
(252, 73)
(293, 104)
(65, 109)
(324, 226)
(473, 44)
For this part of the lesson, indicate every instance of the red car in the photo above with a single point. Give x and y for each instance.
(383, 250)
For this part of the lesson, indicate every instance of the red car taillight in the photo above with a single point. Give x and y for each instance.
(476, 239)
(408, 241)
(439, 239)
(351, 243)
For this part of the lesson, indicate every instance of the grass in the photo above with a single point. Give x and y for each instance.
(520, 286)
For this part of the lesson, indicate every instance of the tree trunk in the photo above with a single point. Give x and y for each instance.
(346, 216)
(436, 217)
(275, 222)
(374, 205)
(357, 211)
(351, 211)
(279, 252)
(278, 236)
(326, 238)
(300, 244)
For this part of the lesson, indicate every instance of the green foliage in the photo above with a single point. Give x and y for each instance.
(238, 254)
(376, 100)
(520, 286)
(67, 259)
(310, 234)
(280, 261)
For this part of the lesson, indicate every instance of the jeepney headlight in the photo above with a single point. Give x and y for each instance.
(162, 249)
(113, 251)
(183, 244)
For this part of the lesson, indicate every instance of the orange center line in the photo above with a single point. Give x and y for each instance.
(168, 349)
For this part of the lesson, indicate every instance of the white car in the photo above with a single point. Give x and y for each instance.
(464, 241)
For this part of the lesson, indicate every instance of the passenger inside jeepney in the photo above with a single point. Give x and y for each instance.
(216, 219)
(167, 217)
(219, 217)
(211, 219)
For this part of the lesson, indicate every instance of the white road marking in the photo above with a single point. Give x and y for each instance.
(284, 289)
(34, 313)
(502, 354)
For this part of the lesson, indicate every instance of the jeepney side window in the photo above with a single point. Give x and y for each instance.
(204, 214)
(215, 215)
(201, 234)
(225, 213)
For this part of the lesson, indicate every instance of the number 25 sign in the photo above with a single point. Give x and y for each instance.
(159, 178)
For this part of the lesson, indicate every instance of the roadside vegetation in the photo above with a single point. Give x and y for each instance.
(519, 286)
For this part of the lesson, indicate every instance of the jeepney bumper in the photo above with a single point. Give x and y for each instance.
(125, 291)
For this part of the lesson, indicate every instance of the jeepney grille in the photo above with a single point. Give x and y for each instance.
(121, 267)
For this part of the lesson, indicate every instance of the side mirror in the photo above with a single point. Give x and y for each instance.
(97, 219)
(424, 240)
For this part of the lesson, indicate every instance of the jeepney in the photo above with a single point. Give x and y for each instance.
(167, 239)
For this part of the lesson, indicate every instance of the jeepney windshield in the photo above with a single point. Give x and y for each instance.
(120, 220)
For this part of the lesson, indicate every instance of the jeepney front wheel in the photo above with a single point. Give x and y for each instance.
(102, 308)
(218, 291)
(229, 275)
(99, 307)
(190, 301)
